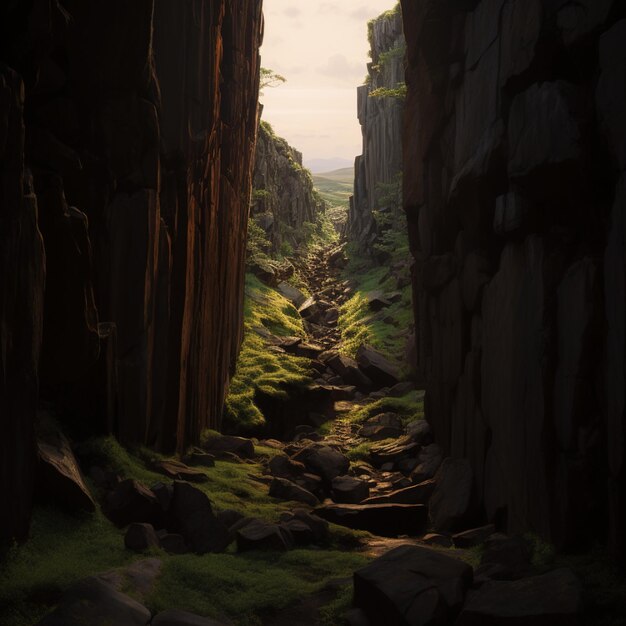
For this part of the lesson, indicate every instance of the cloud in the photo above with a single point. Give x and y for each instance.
(339, 67)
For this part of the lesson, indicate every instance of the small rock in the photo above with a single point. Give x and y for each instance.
(131, 501)
(282, 466)
(300, 532)
(239, 446)
(435, 539)
(259, 535)
(284, 489)
(179, 471)
(430, 459)
(323, 460)
(473, 537)
(419, 431)
(141, 537)
(416, 494)
(392, 452)
(294, 295)
(451, 499)
(377, 368)
(349, 490)
(203, 459)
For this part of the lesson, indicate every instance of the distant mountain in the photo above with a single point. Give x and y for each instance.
(335, 187)
(327, 165)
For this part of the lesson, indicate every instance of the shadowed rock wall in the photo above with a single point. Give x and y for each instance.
(515, 194)
(380, 117)
(126, 139)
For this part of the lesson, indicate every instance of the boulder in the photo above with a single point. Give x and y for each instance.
(376, 301)
(349, 490)
(192, 516)
(294, 295)
(131, 501)
(259, 535)
(284, 489)
(415, 494)
(376, 367)
(173, 543)
(435, 539)
(282, 466)
(349, 370)
(382, 426)
(174, 617)
(450, 503)
(310, 310)
(300, 532)
(203, 459)
(318, 526)
(394, 451)
(308, 350)
(240, 446)
(552, 599)
(164, 494)
(387, 520)
(59, 478)
(412, 585)
(507, 558)
(179, 471)
(419, 431)
(93, 601)
(141, 537)
(430, 459)
(323, 461)
(473, 537)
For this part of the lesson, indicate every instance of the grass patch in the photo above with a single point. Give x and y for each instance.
(249, 587)
(409, 407)
(258, 367)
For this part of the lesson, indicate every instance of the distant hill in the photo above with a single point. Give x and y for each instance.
(335, 186)
(327, 165)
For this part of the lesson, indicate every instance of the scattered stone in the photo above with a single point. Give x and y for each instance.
(203, 459)
(349, 490)
(309, 350)
(377, 368)
(179, 471)
(435, 539)
(511, 556)
(430, 459)
(310, 310)
(93, 601)
(323, 460)
(240, 446)
(193, 517)
(311, 482)
(416, 494)
(552, 599)
(141, 537)
(229, 518)
(394, 451)
(164, 494)
(349, 370)
(294, 295)
(412, 585)
(387, 520)
(131, 501)
(173, 543)
(272, 443)
(318, 526)
(473, 537)
(59, 478)
(299, 531)
(284, 489)
(419, 431)
(451, 499)
(174, 617)
(376, 301)
(259, 535)
(382, 426)
(282, 466)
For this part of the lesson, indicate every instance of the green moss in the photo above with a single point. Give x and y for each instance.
(409, 407)
(399, 92)
(249, 587)
(258, 367)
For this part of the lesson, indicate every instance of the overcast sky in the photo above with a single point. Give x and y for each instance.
(321, 49)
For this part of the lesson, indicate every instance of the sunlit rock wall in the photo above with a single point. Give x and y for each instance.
(515, 193)
(127, 132)
(380, 117)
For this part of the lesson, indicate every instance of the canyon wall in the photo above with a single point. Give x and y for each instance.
(126, 139)
(380, 105)
(283, 198)
(515, 194)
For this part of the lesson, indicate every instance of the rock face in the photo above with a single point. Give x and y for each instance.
(514, 157)
(132, 170)
(380, 117)
(283, 198)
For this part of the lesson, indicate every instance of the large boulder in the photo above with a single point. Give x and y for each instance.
(379, 369)
(131, 501)
(387, 520)
(59, 478)
(450, 503)
(95, 602)
(323, 460)
(348, 369)
(411, 586)
(192, 516)
(294, 295)
(349, 490)
(284, 489)
(284, 467)
(552, 599)
(259, 535)
(141, 537)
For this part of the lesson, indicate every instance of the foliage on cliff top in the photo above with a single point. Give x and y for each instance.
(399, 92)
(266, 311)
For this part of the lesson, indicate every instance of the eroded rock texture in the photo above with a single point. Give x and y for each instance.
(380, 110)
(514, 157)
(130, 129)
(284, 203)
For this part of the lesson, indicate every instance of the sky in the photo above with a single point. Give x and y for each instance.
(320, 47)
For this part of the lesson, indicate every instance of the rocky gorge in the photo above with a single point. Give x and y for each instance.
(215, 411)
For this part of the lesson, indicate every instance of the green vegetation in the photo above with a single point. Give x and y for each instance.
(398, 92)
(269, 78)
(335, 187)
(266, 311)
(248, 587)
(409, 407)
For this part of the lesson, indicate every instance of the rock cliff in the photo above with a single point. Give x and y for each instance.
(380, 104)
(515, 194)
(283, 198)
(126, 139)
